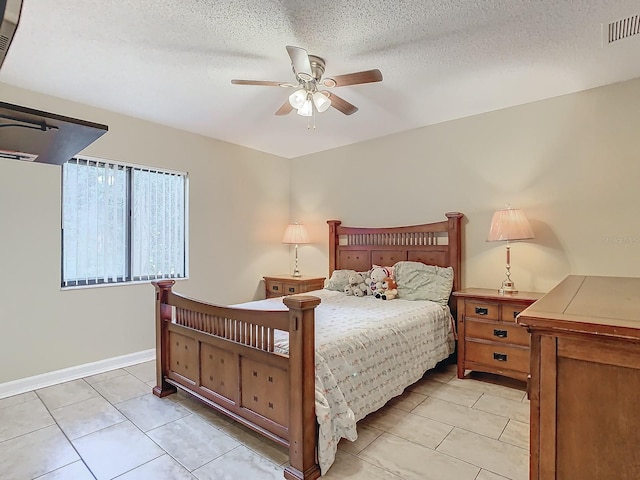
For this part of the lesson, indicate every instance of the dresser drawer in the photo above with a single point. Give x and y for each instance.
(497, 332)
(498, 356)
(510, 312)
(481, 310)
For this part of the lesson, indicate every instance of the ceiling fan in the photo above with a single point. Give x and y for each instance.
(307, 97)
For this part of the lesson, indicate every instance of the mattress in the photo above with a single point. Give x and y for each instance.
(367, 351)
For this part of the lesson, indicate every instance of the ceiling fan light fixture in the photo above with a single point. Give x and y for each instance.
(306, 110)
(322, 102)
(297, 98)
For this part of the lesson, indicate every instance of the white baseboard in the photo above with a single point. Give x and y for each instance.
(23, 385)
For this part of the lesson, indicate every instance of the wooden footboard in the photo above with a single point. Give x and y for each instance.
(226, 357)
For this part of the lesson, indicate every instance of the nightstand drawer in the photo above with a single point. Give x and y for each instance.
(510, 312)
(497, 332)
(290, 289)
(481, 310)
(498, 356)
(275, 288)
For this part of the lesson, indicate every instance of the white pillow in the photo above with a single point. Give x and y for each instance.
(339, 279)
(417, 281)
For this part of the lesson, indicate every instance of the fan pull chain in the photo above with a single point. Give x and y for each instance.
(313, 116)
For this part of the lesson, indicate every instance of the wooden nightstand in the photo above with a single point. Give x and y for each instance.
(281, 285)
(489, 340)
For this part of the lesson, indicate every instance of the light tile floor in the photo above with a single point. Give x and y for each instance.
(110, 426)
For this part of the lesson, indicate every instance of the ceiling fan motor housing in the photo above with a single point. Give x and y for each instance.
(317, 70)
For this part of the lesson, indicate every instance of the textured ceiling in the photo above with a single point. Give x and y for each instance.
(171, 62)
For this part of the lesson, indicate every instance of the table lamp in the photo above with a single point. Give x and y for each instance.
(296, 234)
(509, 224)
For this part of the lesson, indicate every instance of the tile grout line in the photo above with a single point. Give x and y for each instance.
(424, 446)
(66, 436)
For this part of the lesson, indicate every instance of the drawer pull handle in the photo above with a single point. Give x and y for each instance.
(500, 333)
(515, 314)
(482, 311)
(501, 357)
(275, 287)
(292, 289)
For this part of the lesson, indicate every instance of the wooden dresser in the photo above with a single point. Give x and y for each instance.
(585, 380)
(281, 285)
(489, 340)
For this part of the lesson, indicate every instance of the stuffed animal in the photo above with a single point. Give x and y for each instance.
(367, 282)
(389, 289)
(377, 276)
(356, 285)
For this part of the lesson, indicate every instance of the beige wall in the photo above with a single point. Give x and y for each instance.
(239, 207)
(571, 163)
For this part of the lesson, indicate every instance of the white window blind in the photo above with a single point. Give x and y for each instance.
(121, 223)
(158, 225)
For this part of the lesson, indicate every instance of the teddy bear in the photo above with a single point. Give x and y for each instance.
(367, 282)
(377, 276)
(356, 285)
(389, 289)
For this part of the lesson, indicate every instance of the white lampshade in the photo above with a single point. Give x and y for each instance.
(298, 98)
(509, 224)
(322, 102)
(306, 110)
(295, 234)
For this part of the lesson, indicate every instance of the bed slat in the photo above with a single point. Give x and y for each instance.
(246, 333)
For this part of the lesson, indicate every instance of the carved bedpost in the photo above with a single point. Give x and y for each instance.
(334, 239)
(302, 368)
(163, 316)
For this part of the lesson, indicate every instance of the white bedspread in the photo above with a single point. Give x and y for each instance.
(367, 351)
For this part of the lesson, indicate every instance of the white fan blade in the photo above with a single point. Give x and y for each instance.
(300, 62)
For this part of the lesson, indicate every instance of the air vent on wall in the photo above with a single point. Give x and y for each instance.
(627, 27)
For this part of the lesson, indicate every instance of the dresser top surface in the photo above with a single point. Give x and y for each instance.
(590, 304)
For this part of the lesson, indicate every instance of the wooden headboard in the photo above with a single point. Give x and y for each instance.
(358, 248)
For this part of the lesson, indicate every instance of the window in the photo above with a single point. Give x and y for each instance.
(121, 223)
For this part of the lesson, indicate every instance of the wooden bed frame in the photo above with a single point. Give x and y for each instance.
(225, 356)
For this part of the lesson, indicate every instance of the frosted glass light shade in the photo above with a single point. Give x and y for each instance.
(322, 102)
(298, 98)
(509, 224)
(306, 110)
(295, 234)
